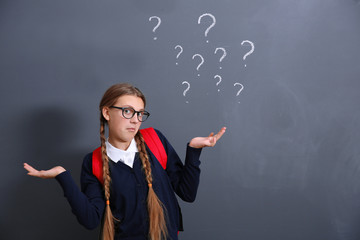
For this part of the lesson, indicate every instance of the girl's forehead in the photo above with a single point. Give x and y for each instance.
(130, 100)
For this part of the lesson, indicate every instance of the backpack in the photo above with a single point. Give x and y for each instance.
(151, 139)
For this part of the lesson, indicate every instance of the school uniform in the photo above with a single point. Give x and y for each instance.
(129, 190)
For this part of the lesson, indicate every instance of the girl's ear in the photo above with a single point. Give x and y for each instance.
(105, 113)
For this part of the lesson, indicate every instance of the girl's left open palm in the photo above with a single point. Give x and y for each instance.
(209, 141)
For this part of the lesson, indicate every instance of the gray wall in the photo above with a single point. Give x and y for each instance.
(289, 164)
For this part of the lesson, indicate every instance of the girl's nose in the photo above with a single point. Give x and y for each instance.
(134, 119)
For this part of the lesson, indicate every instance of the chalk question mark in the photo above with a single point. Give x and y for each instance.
(224, 53)
(181, 50)
(211, 26)
(241, 88)
(187, 89)
(201, 63)
(219, 77)
(157, 25)
(251, 51)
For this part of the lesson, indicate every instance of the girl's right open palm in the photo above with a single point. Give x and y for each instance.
(51, 173)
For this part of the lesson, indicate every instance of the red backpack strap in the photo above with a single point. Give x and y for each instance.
(155, 145)
(97, 164)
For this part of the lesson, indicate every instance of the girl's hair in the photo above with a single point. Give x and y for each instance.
(157, 227)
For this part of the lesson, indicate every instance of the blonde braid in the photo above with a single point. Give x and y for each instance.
(156, 209)
(108, 227)
(109, 98)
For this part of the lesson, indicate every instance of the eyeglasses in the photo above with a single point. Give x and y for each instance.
(129, 112)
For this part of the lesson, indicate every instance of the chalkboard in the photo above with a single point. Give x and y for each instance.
(282, 75)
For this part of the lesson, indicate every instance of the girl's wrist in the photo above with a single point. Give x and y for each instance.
(59, 170)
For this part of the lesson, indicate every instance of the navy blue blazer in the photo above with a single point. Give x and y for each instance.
(129, 192)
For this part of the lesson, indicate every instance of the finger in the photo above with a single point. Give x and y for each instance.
(220, 133)
(29, 168)
(32, 171)
(211, 134)
(34, 174)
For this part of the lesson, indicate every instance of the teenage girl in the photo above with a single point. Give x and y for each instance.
(136, 200)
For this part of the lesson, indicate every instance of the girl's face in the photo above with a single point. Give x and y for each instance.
(122, 130)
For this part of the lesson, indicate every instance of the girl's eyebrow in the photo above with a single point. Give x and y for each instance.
(142, 109)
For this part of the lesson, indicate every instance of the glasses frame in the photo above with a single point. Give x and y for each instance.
(135, 112)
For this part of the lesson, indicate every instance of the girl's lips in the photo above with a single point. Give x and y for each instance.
(131, 129)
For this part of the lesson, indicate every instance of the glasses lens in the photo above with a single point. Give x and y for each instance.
(142, 116)
(128, 112)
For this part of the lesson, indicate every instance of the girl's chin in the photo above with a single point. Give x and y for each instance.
(125, 137)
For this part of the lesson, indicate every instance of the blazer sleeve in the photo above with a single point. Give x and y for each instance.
(184, 178)
(88, 204)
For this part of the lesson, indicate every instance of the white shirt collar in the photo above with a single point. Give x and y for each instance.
(125, 156)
